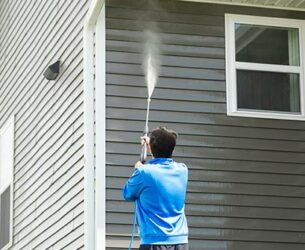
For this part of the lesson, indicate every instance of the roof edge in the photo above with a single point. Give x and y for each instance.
(246, 5)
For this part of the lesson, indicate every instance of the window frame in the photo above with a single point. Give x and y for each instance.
(10, 124)
(232, 65)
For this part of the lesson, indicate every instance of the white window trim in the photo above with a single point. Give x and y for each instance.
(232, 65)
(9, 124)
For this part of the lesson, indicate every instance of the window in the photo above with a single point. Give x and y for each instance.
(6, 183)
(264, 67)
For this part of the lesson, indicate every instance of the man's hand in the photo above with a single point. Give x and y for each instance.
(145, 139)
(138, 164)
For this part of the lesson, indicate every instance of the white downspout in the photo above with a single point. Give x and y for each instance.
(89, 196)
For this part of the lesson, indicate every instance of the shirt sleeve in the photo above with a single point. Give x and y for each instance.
(133, 186)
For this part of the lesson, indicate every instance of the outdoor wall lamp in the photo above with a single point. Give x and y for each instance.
(52, 71)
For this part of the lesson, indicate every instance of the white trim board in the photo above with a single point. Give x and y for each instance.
(92, 217)
(100, 139)
(268, 67)
(89, 139)
(246, 5)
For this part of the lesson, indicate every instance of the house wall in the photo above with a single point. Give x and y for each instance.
(246, 180)
(48, 173)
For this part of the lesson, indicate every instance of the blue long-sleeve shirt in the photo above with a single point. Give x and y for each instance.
(159, 190)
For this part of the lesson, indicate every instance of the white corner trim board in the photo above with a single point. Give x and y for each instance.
(100, 124)
(89, 178)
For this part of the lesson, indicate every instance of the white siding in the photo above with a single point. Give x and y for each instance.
(48, 173)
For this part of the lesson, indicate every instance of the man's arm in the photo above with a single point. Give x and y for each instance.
(133, 186)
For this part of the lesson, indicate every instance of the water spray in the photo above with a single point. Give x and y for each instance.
(151, 67)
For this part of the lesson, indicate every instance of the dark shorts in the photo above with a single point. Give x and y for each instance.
(165, 247)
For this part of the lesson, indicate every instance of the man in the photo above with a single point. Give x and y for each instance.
(158, 189)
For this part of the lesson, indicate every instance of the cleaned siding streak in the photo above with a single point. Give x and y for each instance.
(176, 28)
(49, 135)
(165, 94)
(200, 118)
(190, 84)
(170, 61)
(176, 39)
(219, 153)
(172, 50)
(227, 165)
(189, 73)
(216, 185)
(188, 128)
(129, 14)
(246, 181)
(219, 182)
(218, 141)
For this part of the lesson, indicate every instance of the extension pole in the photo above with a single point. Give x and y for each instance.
(144, 146)
(147, 115)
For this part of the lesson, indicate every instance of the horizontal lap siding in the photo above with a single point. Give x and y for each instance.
(246, 183)
(49, 127)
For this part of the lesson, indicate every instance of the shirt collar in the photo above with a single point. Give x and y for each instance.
(163, 161)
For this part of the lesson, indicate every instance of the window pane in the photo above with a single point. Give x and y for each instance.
(268, 91)
(5, 217)
(263, 44)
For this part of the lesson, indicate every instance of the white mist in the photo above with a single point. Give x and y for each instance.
(151, 60)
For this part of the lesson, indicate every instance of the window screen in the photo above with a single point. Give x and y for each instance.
(270, 91)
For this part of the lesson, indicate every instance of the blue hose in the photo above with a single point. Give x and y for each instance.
(133, 226)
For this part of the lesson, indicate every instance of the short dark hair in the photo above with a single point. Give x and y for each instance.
(162, 142)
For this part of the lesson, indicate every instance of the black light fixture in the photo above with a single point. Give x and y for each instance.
(52, 71)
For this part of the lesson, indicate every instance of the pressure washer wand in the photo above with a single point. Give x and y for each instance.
(144, 146)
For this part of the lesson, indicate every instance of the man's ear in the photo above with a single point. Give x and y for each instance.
(149, 150)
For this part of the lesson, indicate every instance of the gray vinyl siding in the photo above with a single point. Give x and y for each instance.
(247, 176)
(48, 211)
